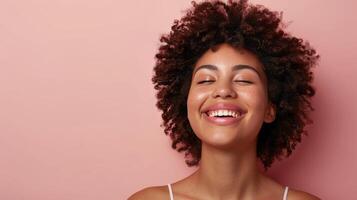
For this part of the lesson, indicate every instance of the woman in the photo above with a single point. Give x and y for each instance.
(234, 88)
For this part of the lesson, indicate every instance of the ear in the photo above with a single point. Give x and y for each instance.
(270, 113)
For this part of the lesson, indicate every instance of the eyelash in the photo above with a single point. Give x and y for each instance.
(244, 81)
(207, 81)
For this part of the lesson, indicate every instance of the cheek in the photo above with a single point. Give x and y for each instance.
(195, 98)
(256, 98)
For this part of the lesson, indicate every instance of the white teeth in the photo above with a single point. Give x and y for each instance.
(220, 113)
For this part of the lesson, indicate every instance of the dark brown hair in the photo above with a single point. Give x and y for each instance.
(287, 63)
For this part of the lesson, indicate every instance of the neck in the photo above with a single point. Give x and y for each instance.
(227, 174)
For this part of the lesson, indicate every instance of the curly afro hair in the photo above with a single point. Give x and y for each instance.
(287, 61)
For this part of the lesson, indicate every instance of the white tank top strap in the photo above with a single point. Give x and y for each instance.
(286, 193)
(170, 191)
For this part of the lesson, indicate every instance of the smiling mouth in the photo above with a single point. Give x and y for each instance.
(223, 118)
(223, 113)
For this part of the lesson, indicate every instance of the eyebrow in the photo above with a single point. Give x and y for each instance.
(234, 68)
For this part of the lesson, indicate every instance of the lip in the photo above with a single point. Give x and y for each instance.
(224, 106)
(223, 121)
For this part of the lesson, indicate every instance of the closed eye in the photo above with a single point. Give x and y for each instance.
(244, 81)
(205, 81)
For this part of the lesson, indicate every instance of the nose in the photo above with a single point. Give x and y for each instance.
(224, 91)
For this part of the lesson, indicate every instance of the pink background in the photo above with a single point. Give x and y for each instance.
(77, 108)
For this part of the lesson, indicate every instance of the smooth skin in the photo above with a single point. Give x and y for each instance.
(228, 168)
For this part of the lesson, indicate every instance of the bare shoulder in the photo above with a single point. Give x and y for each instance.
(148, 193)
(301, 195)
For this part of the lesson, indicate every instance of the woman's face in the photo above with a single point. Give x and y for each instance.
(228, 101)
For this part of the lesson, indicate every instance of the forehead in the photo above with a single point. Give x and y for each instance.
(227, 56)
